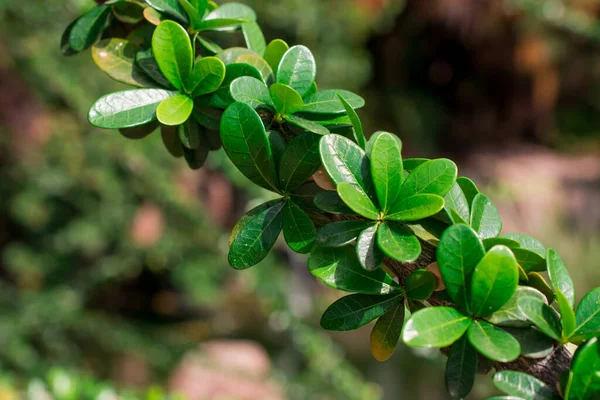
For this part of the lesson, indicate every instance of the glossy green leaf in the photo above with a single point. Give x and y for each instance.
(237, 70)
(299, 161)
(485, 219)
(534, 344)
(456, 200)
(357, 200)
(190, 134)
(386, 169)
(328, 102)
(420, 285)
(537, 281)
(193, 15)
(209, 45)
(170, 7)
(567, 314)
(196, 158)
(356, 310)
(116, 57)
(398, 242)
(359, 135)
(220, 24)
(330, 202)
(175, 110)
(128, 108)
(253, 35)
(493, 342)
(248, 216)
(494, 281)
(519, 384)
(528, 243)
(251, 91)
(285, 99)
(207, 76)
(297, 69)
(259, 63)
(274, 53)
(256, 238)
(509, 314)
(435, 327)
(246, 143)
(585, 382)
(230, 55)
(387, 331)
(172, 50)
(416, 207)
(368, 253)
(307, 125)
(171, 141)
(298, 229)
(88, 28)
(588, 316)
(373, 139)
(461, 368)
(542, 316)
(458, 253)
(491, 242)
(278, 145)
(341, 233)
(145, 60)
(559, 276)
(411, 164)
(228, 17)
(339, 268)
(433, 177)
(529, 260)
(468, 187)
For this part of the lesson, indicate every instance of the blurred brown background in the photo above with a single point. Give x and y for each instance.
(113, 272)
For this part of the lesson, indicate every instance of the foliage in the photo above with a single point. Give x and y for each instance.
(262, 105)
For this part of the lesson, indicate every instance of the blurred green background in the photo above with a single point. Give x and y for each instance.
(113, 272)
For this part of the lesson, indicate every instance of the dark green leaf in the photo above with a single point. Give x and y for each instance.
(386, 169)
(278, 145)
(491, 242)
(585, 383)
(357, 200)
(492, 342)
(197, 157)
(260, 64)
(341, 233)
(534, 344)
(559, 276)
(274, 53)
(172, 50)
(307, 125)
(190, 134)
(139, 132)
(248, 216)
(537, 281)
(228, 17)
(285, 99)
(145, 60)
(209, 45)
(567, 315)
(207, 76)
(170, 7)
(237, 70)
(65, 46)
(297, 69)
(256, 238)
(193, 15)
(116, 57)
(435, 327)
(542, 316)
(525, 386)
(387, 331)
(411, 164)
(459, 251)
(88, 28)
(208, 117)
(588, 316)
(329, 201)
(328, 102)
(456, 201)
(359, 135)
(416, 207)
(367, 251)
(127, 109)
(171, 141)
(175, 110)
(298, 229)
(509, 314)
(529, 260)
(398, 242)
(299, 161)
(527, 242)
(468, 187)
(461, 368)
(253, 35)
(420, 285)
(129, 13)
(246, 143)
(251, 91)
(434, 177)
(230, 55)
(485, 219)
(221, 24)
(356, 310)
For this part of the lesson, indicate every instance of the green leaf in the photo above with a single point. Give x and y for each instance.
(434, 177)
(461, 368)
(368, 253)
(329, 201)
(250, 91)
(274, 53)
(398, 242)
(542, 316)
(260, 64)
(509, 314)
(373, 138)
(456, 201)
(341, 233)
(139, 132)
(299, 161)
(256, 238)
(175, 110)
(253, 35)
(411, 164)
(88, 28)
(537, 281)
(529, 260)
(339, 268)
(528, 243)
(485, 219)
(170, 7)
(356, 310)
(328, 102)
(129, 13)
(297, 69)
(420, 285)
(248, 216)
(588, 316)
(468, 187)
(145, 60)
(416, 207)
(221, 24)
(197, 157)
(278, 145)
(194, 15)
(237, 70)
(567, 314)
(386, 332)
(65, 46)
(534, 344)
(207, 76)
(458, 253)
(128, 108)
(246, 143)
(209, 45)
(228, 17)
(491, 242)
(285, 99)
(208, 117)
(492, 342)
(298, 229)
(307, 125)
(522, 385)
(386, 169)
(357, 200)
(171, 141)
(435, 327)
(116, 57)
(189, 134)
(494, 281)
(359, 135)
(230, 55)
(172, 50)
(559, 276)
(585, 383)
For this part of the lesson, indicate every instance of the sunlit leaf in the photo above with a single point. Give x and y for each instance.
(493, 342)
(435, 327)
(525, 386)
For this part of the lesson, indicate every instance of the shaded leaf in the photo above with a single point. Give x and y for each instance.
(529, 260)
(461, 368)
(356, 310)
(491, 242)
(542, 316)
(493, 342)
(274, 53)
(298, 229)
(285, 99)
(537, 281)
(145, 60)
(260, 64)
(170, 7)
(171, 141)
(88, 28)
(534, 344)
(420, 284)
(435, 327)
(359, 135)
(307, 125)
(468, 187)
(253, 35)
(509, 314)
(189, 134)
(527, 242)
(116, 57)
(329, 201)
(197, 157)
(519, 384)
(386, 332)
(341, 233)
(412, 163)
(368, 253)
(299, 161)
